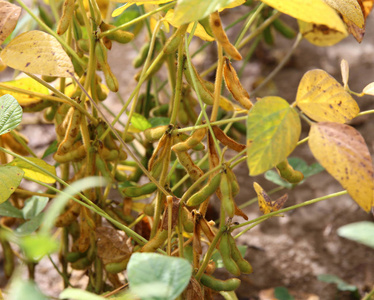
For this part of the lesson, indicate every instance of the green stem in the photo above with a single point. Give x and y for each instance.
(54, 34)
(209, 253)
(23, 143)
(280, 66)
(291, 208)
(370, 295)
(249, 228)
(217, 123)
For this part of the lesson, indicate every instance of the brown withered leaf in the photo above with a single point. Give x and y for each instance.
(111, 245)
(266, 204)
(9, 15)
(193, 291)
(226, 140)
(366, 6)
(174, 214)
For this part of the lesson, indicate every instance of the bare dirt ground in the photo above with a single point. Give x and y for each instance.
(290, 251)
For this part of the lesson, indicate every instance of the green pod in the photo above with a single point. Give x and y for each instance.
(284, 29)
(84, 45)
(227, 200)
(220, 285)
(235, 188)
(160, 111)
(149, 209)
(74, 256)
(120, 36)
(240, 127)
(205, 192)
(79, 16)
(157, 241)
(183, 117)
(45, 16)
(8, 263)
(244, 266)
(49, 79)
(157, 64)
(36, 106)
(77, 30)
(225, 251)
(81, 264)
(50, 113)
(173, 42)
(67, 15)
(187, 220)
(110, 79)
(268, 36)
(155, 133)
(206, 96)
(205, 23)
(137, 191)
(288, 173)
(117, 267)
(141, 57)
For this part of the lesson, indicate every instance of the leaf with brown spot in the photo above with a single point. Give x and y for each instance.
(39, 53)
(349, 9)
(265, 203)
(322, 98)
(320, 35)
(111, 245)
(342, 151)
(9, 15)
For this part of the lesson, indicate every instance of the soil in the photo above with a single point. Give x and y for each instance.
(289, 251)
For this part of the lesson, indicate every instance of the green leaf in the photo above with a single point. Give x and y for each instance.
(273, 130)
(168, 279)
(159, 121)
(10, 113)
(78, 294)
(34, 206)
(281, 293)
(299, 165)
(32, 171)
(361, 232)
(52, 148)
(25, 289)
(10, 179)
(341, 284)
(30, 226)
(8, 210)
(140, 122)
(188, 11)
(37, 246)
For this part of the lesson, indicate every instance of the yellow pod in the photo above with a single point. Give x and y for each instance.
(186, 161)
(288, 173)
(220, 285)
(192, 141)
(67, 15)
(71, 133)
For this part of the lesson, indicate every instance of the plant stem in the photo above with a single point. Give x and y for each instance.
(25, 192)
(253, 200)
(370, 295)
(217, 123)
(217, 84)
(306, 203)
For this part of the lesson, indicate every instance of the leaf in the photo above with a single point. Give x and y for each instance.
(273, 130)
(341, 284)
(30, 226)
(34, 206)
(27, 84)
(367, 6)
(36, 247)
(297, 164)
(158, 121)
(52, 148)
(281, 293)
(9, 15)
(320, 35)
(265, 203)
(188, 11)
(169, 276)
(310, 11)
(10, 114)
(10, 179)
(369, 89)
(140, 122)
(8, 210)
(78, 294)
(24, 289)
(199, 31)
(360, 232)
(32, 171)
(342, 151)
(322, 98)
(350, 9)
(39, 53)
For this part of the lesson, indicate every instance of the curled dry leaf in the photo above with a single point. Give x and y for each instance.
(264, 201)
(9, 15)
(111, 245)
(348, 159)
(350, 10)
(39, 53)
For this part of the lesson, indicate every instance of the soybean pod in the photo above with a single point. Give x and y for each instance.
(220, 35)
(173, 42)
(157, 241)
(71, 133)
(235, 188)
(191, 142)
(186, 161)
(116, 267)
(244, 266)
(67, 15)
(120, 36)
(220, 285)
(137, 191)
(225, 251)
(227, 201)
(288, 173)
(205, 192)
(226, 140)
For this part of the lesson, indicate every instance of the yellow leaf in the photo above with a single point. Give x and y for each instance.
(350, 9)
(200, 31)
(273, 130)
(9, 14)
(369, 89)
(310, 11)
(39, 53)
(320, 35)
(265, 203)
(342, 151)
(32, 171)
(322, 98)
(27, 84)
